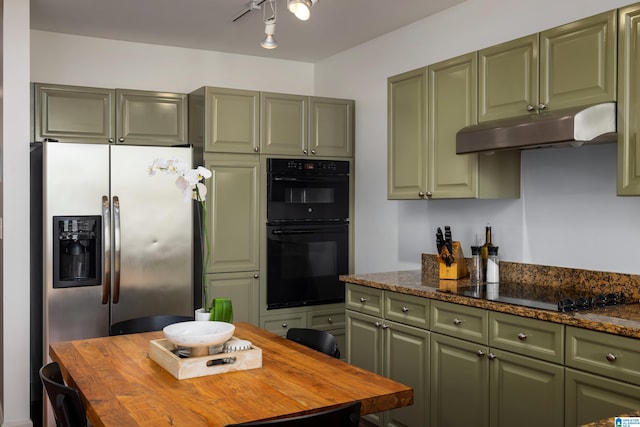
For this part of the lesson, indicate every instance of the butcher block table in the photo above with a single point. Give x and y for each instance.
(121, 386)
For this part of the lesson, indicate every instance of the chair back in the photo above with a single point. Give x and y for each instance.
(316, 339)
(145, 324)
(68, 409)
(344, 416)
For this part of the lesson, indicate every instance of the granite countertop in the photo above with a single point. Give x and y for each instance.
(621, 320)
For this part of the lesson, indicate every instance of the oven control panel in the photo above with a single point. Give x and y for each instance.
(308, 166)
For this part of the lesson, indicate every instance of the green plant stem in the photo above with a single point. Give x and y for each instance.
(204, 238)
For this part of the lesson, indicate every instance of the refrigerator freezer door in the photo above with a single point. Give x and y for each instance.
(154, 237)
(76, 176)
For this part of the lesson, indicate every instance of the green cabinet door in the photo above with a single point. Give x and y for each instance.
(233, 212)
(578, 62)
(508, 79)
(459, 376)
(151, 118)
(451, 106)
(591, 398)
(331, 123)
(231, 120)
(629, 102)
(284, 124)
(242, 288)
(74, 114)
(406, 360)
(524, 391)
(406, 135)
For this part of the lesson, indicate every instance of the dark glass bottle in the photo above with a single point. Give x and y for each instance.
(484, 251)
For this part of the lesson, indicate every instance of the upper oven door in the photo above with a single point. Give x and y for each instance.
(299, 196)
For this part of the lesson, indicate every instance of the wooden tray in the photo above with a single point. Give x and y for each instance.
(160, 351)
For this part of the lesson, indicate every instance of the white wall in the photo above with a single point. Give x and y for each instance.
(568, 214)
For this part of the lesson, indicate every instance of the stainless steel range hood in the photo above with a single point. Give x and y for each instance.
(585, 125)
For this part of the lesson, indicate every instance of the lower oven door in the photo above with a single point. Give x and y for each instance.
(304, 262)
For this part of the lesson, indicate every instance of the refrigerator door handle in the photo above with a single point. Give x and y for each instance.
(116, 243)
(106, 243)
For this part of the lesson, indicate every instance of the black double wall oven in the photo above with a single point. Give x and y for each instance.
(307, 231)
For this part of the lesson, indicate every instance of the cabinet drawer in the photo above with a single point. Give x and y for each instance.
(469, 323)
(281, 324)
(363, 299)
(407, 309)
(603, 354)
(326, 319)
(529, 337)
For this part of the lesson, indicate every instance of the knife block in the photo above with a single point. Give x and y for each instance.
(458, 269)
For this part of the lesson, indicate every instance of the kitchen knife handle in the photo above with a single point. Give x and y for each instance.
(116, 244)
(106, 249)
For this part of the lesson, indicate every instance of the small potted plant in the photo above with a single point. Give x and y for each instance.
(191, 183)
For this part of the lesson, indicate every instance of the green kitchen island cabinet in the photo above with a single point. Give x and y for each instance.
(103, 116)
(399, 351)
(567, 66)
(225, 120)
(298, 125)
(628, 183)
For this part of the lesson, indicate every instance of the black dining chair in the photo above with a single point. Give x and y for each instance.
(68, 408)
(344, 416)
(316, 339)
(145, 324)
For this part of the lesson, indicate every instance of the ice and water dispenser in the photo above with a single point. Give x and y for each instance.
(77, 251)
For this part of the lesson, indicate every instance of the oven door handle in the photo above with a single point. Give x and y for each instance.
(308, 231)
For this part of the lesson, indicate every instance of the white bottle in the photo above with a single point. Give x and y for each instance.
(493, 266)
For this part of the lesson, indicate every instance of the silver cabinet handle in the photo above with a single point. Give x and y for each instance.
(305, 151)
(377, 324)
(363, 299)
(385, 326)
(256, 149)
(541, 107)
(284, 325)
(313, 151)
(106, 243)
(457, 321)
(121, 139)
(420, 193)
(255, 276)
(611, 357)
(110, 140)
(405, 309)
(429, 194)
(530, 107)
(491, 356)
(522, 336)
(329, 320)
(480, 353)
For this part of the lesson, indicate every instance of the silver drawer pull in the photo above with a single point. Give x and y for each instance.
(363, 299)
(385, 326)
(284, 325)
(522, 336)
(611, 357)
(378, 324)
(480, 353)
(405, 309)
(457, 321)
(329, 320)
(491, 356)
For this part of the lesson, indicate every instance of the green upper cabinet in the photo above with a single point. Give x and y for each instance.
(73, 114)
(151, 118)
(331, 127)
(406, 133)
(508, 79)
(97, 115)
(452, 105)
(629, 101)
(567, 66)
(284, 123)
(229, 119)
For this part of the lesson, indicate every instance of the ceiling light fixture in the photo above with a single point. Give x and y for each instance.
(301, 8)
(269, 18)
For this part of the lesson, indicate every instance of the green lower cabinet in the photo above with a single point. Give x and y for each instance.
(474, 385)
(242, 288)
(459, 382)
(592, 398)
(524, 391)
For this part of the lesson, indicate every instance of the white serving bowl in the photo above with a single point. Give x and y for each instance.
(199, 334)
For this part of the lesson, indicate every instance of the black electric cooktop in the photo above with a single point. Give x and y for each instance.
(554, 298)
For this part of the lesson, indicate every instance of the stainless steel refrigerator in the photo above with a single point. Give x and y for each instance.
(117, 243)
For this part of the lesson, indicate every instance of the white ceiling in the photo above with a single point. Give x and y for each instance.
(334, 26)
